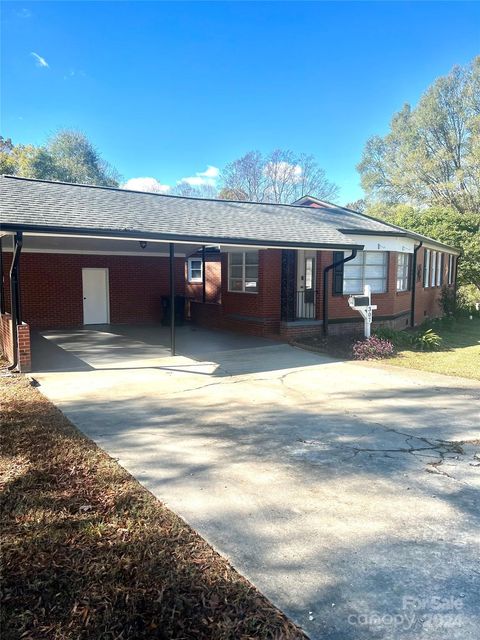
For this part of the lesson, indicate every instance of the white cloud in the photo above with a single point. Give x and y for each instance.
(284, 171)
(201, 178)
(41, 62)
(211, 172)
(151, 185)
(24, 13)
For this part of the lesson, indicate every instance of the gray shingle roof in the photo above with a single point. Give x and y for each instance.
(33, 203)
(353, 223)
(56, 206)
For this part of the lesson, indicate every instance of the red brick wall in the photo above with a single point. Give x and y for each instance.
(51, 287)
(393, 303)
(213, 281)
(208, 314)
(24, 349)
(262, 307)
(390, 303)
(254, 313)
(427, 300)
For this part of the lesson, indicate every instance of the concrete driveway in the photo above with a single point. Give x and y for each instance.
(341, 490)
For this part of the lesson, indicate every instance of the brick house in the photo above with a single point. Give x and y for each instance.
(77, 255)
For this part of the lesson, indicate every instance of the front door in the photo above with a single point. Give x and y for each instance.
(95, 296)
(306, 275)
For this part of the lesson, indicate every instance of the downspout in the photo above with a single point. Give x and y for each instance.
(15, 297)
(325, 287)
(204, 277)
(2, 285)
(414, 283)
(172, 298)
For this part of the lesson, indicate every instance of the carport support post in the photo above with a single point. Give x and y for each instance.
(15, 307)
(2, 285)
(204, 277)
(172, 298)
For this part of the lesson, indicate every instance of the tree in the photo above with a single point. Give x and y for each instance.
(75, 159)
(431, 155)
(232, 194)
(282, 176)
(447, 225)
(357, 205)
(245, 176)
(190, 191)
(68, 157)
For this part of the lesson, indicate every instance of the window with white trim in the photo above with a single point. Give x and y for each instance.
(403, 271)
(426, 269)
(451, 270)
(195, 270)
(243, 271)
(439, 269)
(433, 269)
(368, 267)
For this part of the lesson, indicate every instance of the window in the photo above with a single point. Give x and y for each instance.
(403, 271)
(451, 269)
(433, 269)
(195, 270)
(439, 268)
(243, 271)
(426, 269)
(368, 267)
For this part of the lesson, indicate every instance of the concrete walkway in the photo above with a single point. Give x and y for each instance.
(339, 489)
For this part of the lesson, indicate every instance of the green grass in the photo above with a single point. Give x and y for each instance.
(458, 356)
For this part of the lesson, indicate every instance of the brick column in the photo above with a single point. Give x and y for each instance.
(24, 347)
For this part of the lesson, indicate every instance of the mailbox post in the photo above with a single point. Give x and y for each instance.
(363, 304)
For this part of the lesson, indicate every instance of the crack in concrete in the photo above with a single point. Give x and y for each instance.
(440, 449)
(417, 446)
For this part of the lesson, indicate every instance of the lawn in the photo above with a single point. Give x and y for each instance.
(88, 553)
(459, 354)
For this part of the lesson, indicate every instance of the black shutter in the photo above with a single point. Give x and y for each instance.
(442, 266)
(338, 274)
(287, 289)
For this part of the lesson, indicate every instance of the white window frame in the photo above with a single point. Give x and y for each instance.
(191, 278)
(365, 255)
(433, 269)
(439, 269)
(403, 271)
(450, 268)
(426, 269)
(243, 279)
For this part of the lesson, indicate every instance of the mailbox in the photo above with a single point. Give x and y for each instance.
(363, 304)
(360, 301)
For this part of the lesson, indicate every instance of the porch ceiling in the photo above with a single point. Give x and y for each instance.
(79, 244)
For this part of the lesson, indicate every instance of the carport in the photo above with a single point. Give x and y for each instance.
(114, 347)
(85, 224)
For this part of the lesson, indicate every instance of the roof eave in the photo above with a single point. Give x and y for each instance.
(402, 234)
(180, 238)
(372, 232)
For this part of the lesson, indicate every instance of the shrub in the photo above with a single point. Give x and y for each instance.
(464, 305)
(396, 337)
(428, 340)
(447, 301)
(467, 297)
(373, 348)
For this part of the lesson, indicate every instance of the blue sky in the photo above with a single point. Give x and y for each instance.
(168, 89)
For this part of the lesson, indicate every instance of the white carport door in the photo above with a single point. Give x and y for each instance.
(95, 296)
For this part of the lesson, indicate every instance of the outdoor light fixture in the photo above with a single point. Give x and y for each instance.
(143, 243)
